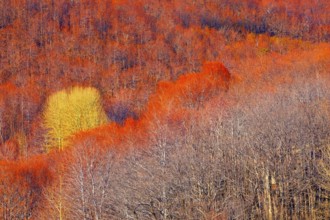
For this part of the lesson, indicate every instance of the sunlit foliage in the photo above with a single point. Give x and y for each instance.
(69, 111)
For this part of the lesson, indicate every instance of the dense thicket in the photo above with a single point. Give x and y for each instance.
(217, 109)
(124, 48)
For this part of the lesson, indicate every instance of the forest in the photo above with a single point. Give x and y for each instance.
(164, 109)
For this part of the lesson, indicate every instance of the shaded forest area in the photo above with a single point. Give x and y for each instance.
(204, 109)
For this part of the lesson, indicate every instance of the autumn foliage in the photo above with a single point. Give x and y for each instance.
(68, 112)
(119, 109)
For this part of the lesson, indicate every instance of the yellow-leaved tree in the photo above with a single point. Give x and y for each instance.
(69, 111)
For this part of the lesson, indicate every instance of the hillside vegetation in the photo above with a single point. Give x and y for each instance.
(204, 109)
